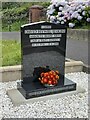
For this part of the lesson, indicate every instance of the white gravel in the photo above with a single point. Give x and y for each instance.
(71, 106)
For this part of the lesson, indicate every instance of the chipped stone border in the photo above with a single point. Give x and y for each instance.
(12, 73)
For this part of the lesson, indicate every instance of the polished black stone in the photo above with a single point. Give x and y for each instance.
(43, 45)
(36, 89)
(40, 56)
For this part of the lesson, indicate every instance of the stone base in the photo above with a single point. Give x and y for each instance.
(36, 89)
(17, 98)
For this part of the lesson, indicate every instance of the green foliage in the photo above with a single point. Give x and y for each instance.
(82, 23)
(11, 53)
(45, 4)
(15, 26)
(17, 13)
(6, 5)
(55, 13)
(87, 8)
(84, 26)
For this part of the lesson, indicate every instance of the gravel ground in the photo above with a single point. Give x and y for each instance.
(71, 106)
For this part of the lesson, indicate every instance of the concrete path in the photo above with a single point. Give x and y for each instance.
(11, 36)
(76, 49)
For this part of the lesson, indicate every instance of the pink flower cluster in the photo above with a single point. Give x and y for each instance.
(68, 12)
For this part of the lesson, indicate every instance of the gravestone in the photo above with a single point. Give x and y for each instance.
(43, 47)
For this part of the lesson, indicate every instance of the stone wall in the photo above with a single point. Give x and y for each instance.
(79, 34)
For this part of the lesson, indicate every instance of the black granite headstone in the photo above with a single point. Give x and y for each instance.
(43, 46)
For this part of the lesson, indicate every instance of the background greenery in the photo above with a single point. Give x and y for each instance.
(16, 14)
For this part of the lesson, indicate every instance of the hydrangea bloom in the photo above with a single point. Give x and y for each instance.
(72, 13)
(62, 22)
(59, 13)
(50, 12)
(79, 17)
(52, 18)
(88, 19)
(60, 8)
(83, 13)
(71, 25)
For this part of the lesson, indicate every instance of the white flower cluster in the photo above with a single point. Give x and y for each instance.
(69, 12)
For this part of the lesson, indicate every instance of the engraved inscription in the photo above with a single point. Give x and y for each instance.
(45, 31)
(46, 36)
(44, 40)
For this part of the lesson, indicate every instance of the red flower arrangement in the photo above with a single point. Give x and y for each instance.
(49, 78)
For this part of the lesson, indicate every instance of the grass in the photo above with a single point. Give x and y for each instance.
(11, 52)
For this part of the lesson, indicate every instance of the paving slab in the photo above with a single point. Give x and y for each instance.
(17, 98)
